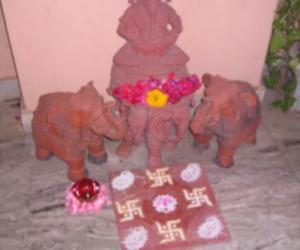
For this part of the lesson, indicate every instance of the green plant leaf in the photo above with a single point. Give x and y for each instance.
(276, 24)
(290, 87)
(285, 104)
(272, 80)
(285, 34)
(295, 4)
(278, 41)
(294, 63)
(288, 103)
(293, 36)
(273, 58)
(277, 103)
(270, 84)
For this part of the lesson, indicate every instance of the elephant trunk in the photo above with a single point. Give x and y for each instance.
(116, 124)
(202, 119)
(181, 124)
(137, 121)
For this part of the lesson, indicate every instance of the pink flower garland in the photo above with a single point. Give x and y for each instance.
(175, 89)
(75, 206)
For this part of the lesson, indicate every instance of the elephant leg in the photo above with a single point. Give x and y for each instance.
(225, 155)
(124, 149)
(154, 152)
(201, 142)
(76, 170)
(97, 154)
(251, 139)
(170, 130)
(42, 152)
(251, 135)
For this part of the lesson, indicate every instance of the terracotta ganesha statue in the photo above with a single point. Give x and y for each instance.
(231, 111)
(150, 28)
(67, 124)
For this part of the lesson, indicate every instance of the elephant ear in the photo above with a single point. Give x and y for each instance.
(207, 79)
(86, 99)
(74, 102)
(230, 118)
(63, 126)
(229, 109)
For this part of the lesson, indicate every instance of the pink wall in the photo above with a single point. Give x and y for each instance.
(227, 37)
(61, 44)
(7, 69)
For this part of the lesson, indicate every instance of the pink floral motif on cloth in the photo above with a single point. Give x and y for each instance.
(172, 207)
(164, 203)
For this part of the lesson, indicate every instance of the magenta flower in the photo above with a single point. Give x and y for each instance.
(174, 89)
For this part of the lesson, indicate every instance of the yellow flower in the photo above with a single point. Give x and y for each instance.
(156, 98)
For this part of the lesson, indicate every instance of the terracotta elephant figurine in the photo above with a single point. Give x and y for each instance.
(231, 111)
(66, 124)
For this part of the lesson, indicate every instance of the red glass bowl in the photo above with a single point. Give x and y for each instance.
(86, 189)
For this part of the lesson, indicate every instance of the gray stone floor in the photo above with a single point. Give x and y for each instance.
(259, 196)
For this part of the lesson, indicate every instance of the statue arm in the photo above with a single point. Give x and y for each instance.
(127, 28)
(127, 31)
(172, 34)
(175, 22)
(176, 25)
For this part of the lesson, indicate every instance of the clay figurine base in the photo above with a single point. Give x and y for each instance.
(166, 208)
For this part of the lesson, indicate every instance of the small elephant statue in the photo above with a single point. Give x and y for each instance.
(231, 111)
(66, 124)
(160, 128)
